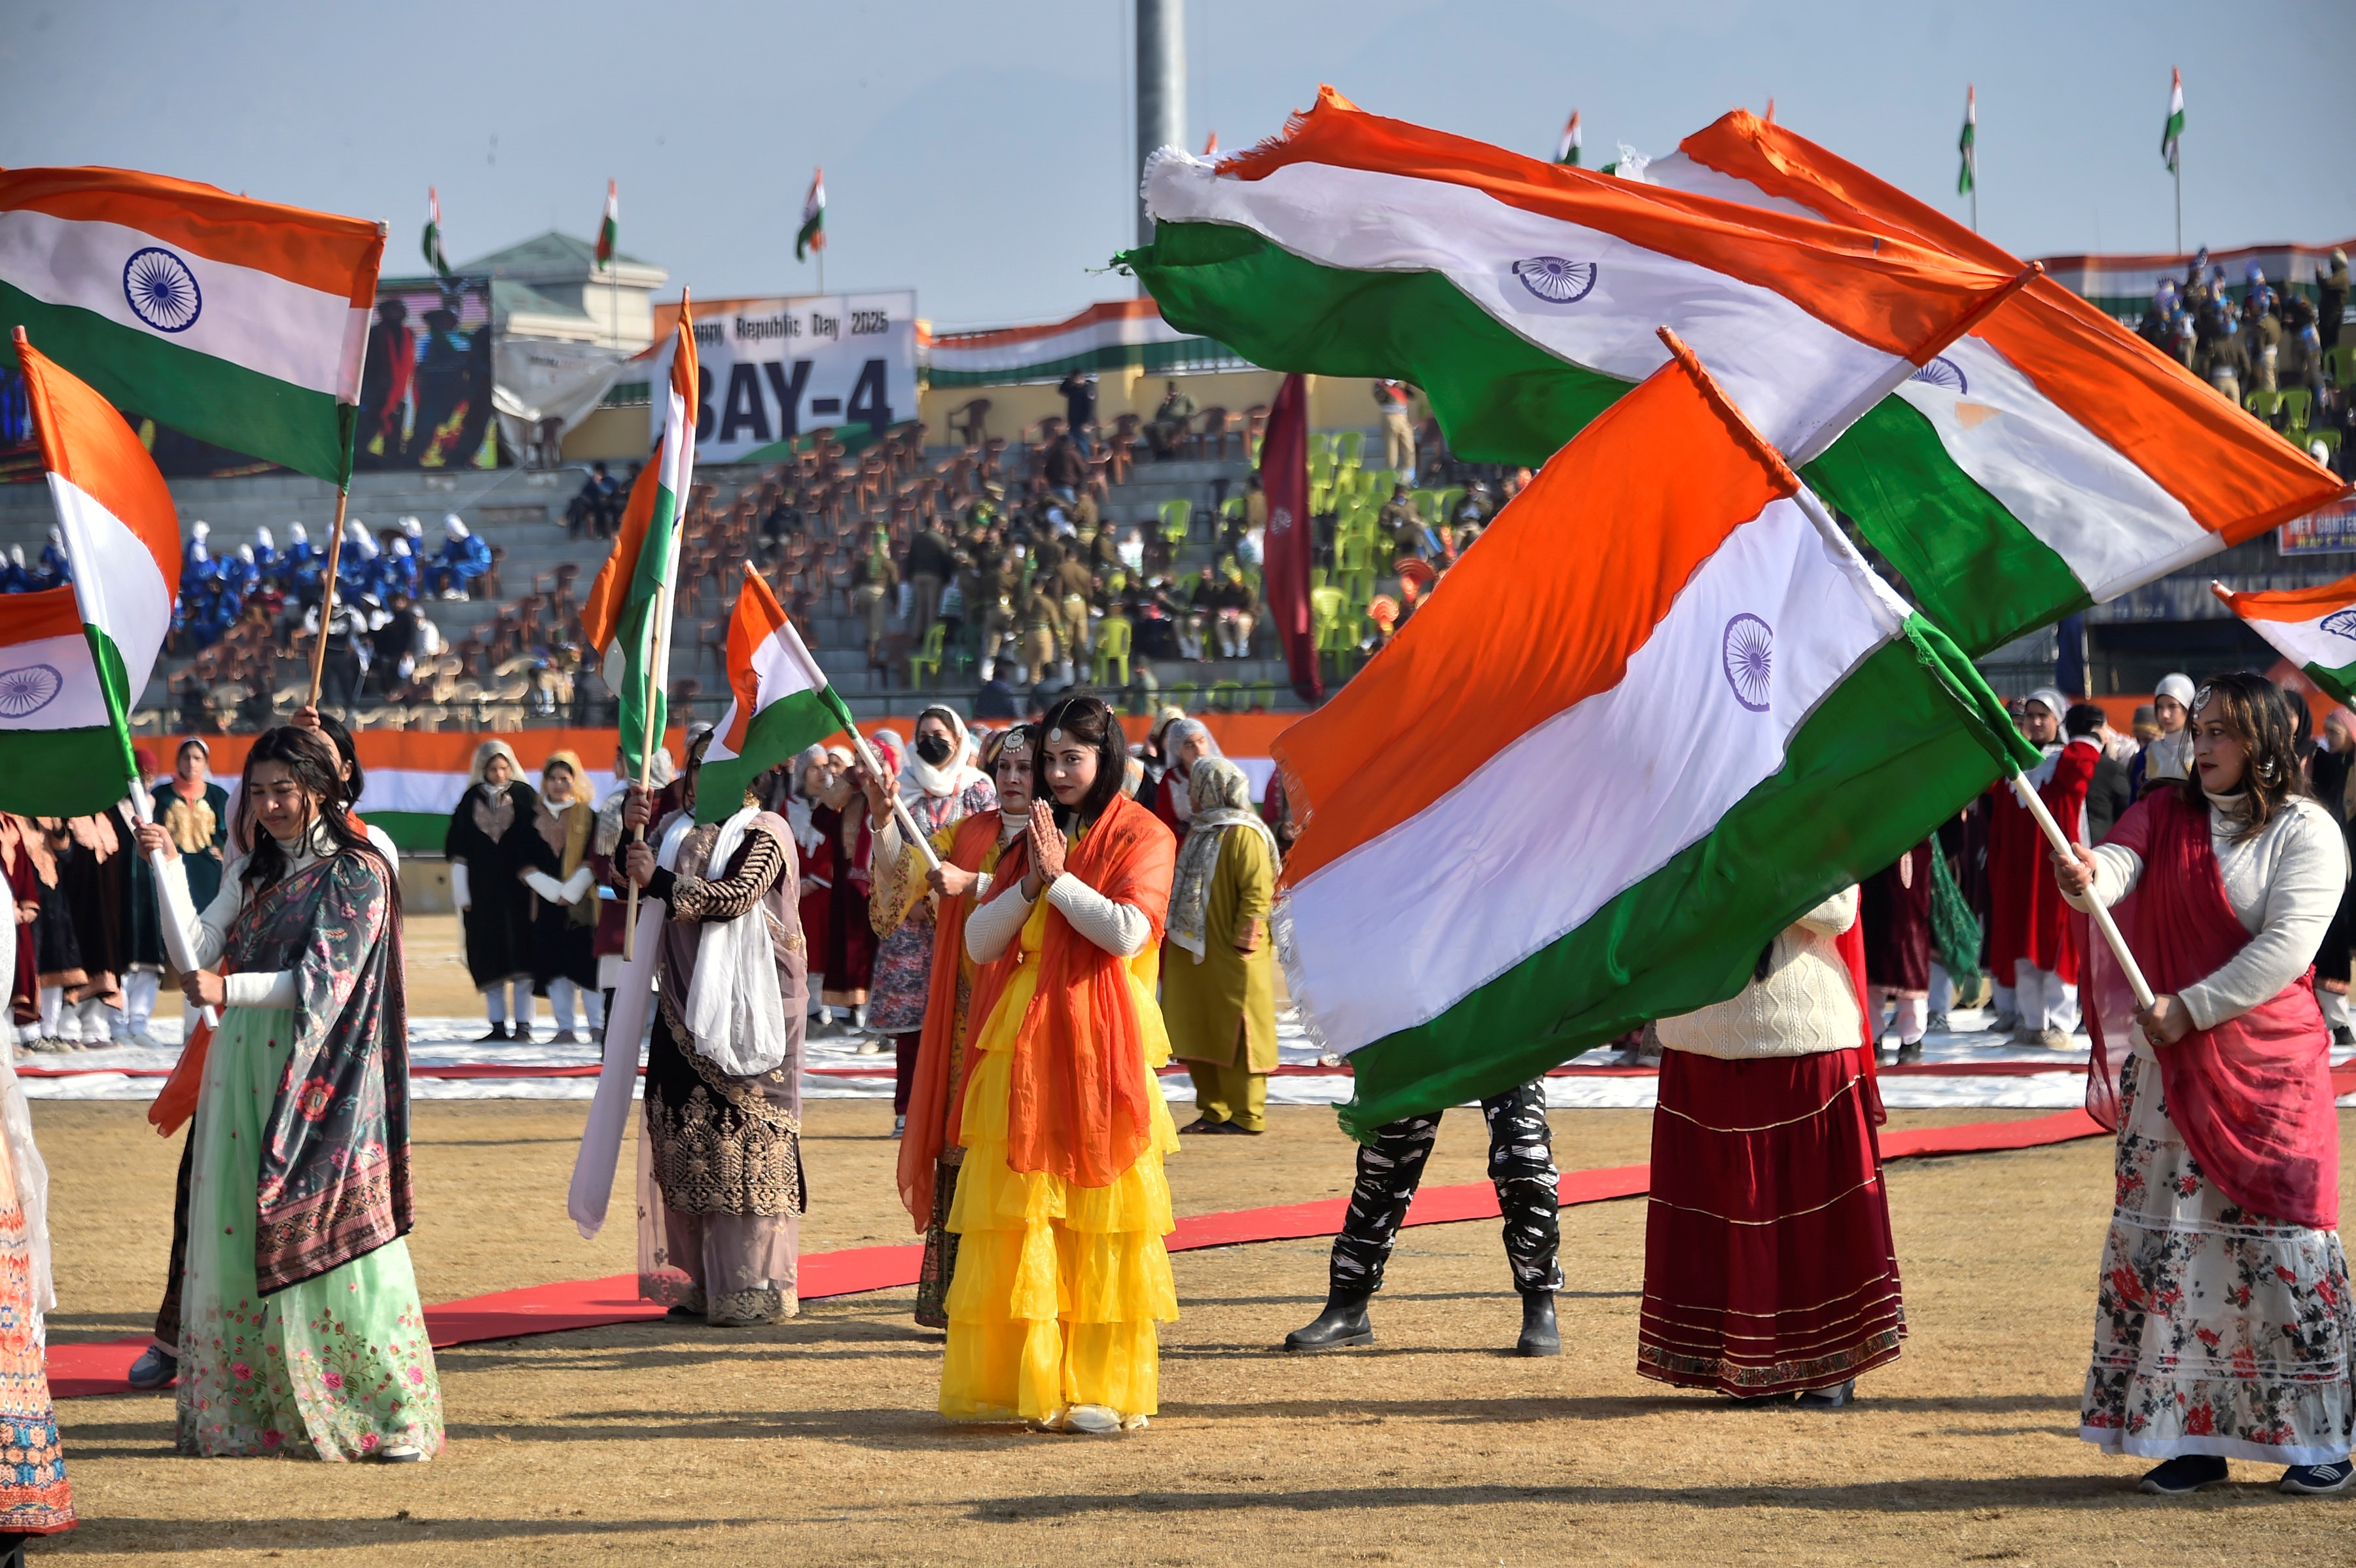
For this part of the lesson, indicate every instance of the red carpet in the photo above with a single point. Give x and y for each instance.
(81, 1369)
(2345, 1077)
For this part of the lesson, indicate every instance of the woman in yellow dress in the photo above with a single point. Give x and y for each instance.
(1218, 978)
(1061, 1204)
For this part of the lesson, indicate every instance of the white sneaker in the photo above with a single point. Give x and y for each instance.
(1093, 1419)
(2055, 1040)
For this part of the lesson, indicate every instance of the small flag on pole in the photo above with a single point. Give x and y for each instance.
(433, 256)
(1567, 150)
(630, 599)
(73, 659)
(1210, 147)
(782, 704)
(2174, 131)
(1967, 179)
(812, 236)
(609, 231)
(2315, 628)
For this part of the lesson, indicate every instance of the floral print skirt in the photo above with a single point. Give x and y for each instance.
(2216, 1331)
(337, 1367)
(35, 1498)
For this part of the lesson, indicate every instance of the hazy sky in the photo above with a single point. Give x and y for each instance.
(981, 154)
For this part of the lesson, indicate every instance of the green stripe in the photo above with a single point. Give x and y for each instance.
(61, 772)
(1894, 750)
(643, 711)
(411, 833)
(114, 683)
(809, 231)
(1500, 398)
(2339, 684)
(777, 734)
(197, 395)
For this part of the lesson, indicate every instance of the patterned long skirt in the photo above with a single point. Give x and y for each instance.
(337, 1367)
(2216, 1330)
(35, 1498)
(1769, 1266)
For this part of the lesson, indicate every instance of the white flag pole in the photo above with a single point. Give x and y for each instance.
(2102, 916)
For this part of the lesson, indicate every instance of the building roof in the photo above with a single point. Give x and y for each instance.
(509, 297)
(553, 256)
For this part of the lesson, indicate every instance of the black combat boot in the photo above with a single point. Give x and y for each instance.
(1344, 1322)
(1539, 1335)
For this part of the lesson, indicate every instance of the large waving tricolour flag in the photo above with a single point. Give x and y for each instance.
(2049, 458)
(782, 704)
(1675, 710)
(629, 604)
(237, 322)
(1522, 297)
(72, 659)
(2315, 628)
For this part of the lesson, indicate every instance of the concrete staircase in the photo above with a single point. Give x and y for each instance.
(521, 512)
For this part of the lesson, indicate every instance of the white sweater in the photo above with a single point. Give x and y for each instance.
(1806, 1006)
(2284, 885)
(1120, 929)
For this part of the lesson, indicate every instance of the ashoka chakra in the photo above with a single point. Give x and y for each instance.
(1942, 371)
(1748, 651)
(28, 688)
(1555, 280)
(161, 289)
(2341, 623)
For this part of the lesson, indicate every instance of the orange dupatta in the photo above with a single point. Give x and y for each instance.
(1077, 1104)
(931, 1096)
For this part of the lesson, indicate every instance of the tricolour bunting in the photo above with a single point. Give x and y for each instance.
(2049, 458)
(1657, 713)
(2315, 628)
(629, 604)
(74, 658)
(1521, 296)
(237, 322)
(780, 704)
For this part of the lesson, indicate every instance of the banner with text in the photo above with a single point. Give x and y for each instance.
(775, 370)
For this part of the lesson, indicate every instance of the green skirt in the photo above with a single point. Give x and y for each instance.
(337, 1367)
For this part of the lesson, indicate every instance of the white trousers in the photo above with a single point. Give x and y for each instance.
(140, 988)
(562, 995)
(495, 999)
(2044, 1003)
(2335, 1007)
(1943, 989)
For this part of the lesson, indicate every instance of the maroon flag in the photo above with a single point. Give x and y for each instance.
(1284, 477)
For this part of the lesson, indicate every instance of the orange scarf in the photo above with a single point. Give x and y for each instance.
(1077, 1106)
(930, 1096)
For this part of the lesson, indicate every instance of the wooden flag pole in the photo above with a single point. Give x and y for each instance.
(327, 603)
(2102, 916)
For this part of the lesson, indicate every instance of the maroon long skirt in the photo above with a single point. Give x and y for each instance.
(1769, 1266)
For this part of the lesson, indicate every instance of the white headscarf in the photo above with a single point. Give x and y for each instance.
(2050, 699)
(919, 779)
(482, 763)
(1223, 797)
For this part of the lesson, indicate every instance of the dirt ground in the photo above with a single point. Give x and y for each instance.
(816, 1441)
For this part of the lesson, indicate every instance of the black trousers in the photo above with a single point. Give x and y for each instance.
(168, 1316)
(1521, 1163)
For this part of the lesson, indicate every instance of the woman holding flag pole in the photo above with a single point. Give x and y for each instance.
(2224, 1322)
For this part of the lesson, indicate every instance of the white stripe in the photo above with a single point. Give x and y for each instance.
(678, 456)
(59, 678)
(117, 581)
(2105, 517)
(1122, 332)
(1591, 802)
(2304, 642)
(780, 669)
(284, 330)
(1678, 172)
(425, 790)
(1802, 380)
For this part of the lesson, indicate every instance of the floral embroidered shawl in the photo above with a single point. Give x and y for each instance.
(335, 1151)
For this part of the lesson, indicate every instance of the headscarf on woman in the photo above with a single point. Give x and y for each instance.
(1222, 799)
(570, 838)
(953, 777)
(1180, 785)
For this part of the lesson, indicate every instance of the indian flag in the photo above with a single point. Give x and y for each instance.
(812, 234)
(1522, 296)
(2047, 459)
(629, 604)
(237, 322)
(1566, 150)
(72, 659)
(2171, 139)
(1967, 179)
(609, 227)
(780, 704)
(1679, 710)
(2315, 628)
(433, 239)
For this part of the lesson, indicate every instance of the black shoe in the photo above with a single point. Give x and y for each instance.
(1832, 1398)
(498, 1032)
(2318, 1480)
(2183, 1476)
(520, 1034)
(1198, 1125)
(1539, 1335)
(1748, 1400)
(683, 1313)
(2344, 1036)
(153, 1370)
(1910, 1052)
(1344, 1322)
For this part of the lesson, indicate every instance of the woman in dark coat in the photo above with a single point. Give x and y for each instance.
(491, 845)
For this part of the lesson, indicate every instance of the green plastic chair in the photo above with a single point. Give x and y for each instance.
(2327, 434)
(1181, 694)
(2295, 403)
(928, 654)
(1426, 504)
(2262, 405)
(1113, 637)
(1447, 500)
(1232, 510)
(1350, 448)
(1316, 578)
(1227, 697)
(1177, 518)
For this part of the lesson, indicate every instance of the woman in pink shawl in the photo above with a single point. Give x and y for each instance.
(2223, 1322)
